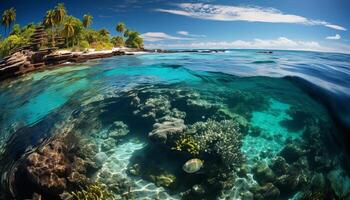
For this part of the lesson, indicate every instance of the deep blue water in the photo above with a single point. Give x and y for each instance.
(35, 105)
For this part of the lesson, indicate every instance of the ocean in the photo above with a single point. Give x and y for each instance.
(230, 124)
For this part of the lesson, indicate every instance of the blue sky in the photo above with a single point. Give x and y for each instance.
(321, 25)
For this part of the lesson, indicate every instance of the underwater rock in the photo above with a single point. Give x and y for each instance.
(318, 181)
(166, 130)
(245, 103)
(299, 118)
(193, 165)
(117, 130)
(340, 183)
(243, 170)
(100, 158)
(134, 169)
(267, 192)
(263, 173)
(221, 139)
(247, 195)
(279, 166)
(295, 179)
(291, 152)
(164, 180)
(108, 144)
(198, 190)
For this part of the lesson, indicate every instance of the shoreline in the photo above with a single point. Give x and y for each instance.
(25, 61)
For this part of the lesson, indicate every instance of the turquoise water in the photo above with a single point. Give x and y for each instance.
(259, 133)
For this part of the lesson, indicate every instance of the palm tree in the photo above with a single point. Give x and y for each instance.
(68, 28)
(60, 13)
(120, 27)
(87, 20)
(104, 32)
(127, 33)
(8, 17)
(49, 21)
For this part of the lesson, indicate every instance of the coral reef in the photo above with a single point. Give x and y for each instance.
(187, 143)
(95, 191)
(167, 130)
(55, 166)
(156, 108)
(219, 138)
(50, 168)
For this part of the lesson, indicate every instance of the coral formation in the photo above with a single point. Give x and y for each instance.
(94, 191)
(55, 166)
(219, 138)
(50, 168)
(166, 130)
(187, 143)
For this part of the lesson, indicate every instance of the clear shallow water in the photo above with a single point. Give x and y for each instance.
(302, 119)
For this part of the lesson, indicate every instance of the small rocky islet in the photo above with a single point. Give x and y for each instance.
(176, 142)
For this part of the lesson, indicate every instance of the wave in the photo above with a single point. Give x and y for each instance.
(264, 62)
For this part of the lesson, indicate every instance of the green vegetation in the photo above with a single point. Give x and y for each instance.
(65, 31)
(18, 37)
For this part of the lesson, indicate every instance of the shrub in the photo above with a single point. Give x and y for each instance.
(10, 43)
(84, 44)
(118, 41)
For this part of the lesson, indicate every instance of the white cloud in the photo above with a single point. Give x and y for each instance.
(239, 13)
(281, 43)
(182, 32)
(335, 37)
(336, 27)
(189, 35)
(159, 36)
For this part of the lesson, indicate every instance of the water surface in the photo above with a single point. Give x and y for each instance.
(290, 109)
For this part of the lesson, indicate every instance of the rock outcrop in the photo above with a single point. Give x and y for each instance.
(24, 61)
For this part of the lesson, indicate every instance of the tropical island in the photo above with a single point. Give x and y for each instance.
(219, 110)
(57, 39)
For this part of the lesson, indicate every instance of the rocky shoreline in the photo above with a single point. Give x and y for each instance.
(25, 61)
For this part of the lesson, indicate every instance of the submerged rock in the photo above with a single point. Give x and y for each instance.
(118, 129)
(165, 180)
(267, 192)
(193, 165)
(340, 183)
(263, 173)
(291, 153)
(100, 159)
(167, 130)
